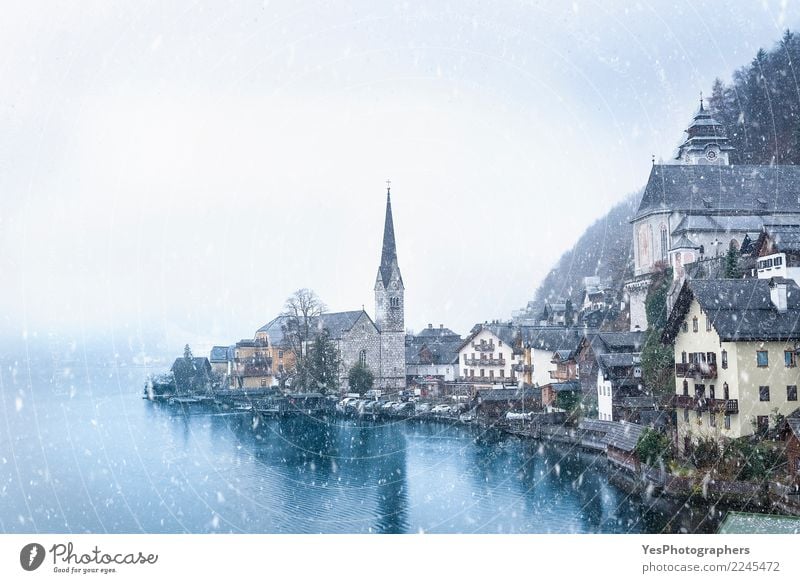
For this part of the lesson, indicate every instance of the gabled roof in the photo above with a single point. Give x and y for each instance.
(338, 323)
(739, 309)
(275, 329)
(792, 422)
(505, 331)
(782, 239)
(219, 354)
(441, 332)
(550, 338)
(563, 355)
(624, 436)
(566, 387)
(619, 359)
(621, 341)
(713, 189)
(441, 351)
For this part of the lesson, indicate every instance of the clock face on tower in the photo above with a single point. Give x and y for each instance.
(393, 285)
(711, 155)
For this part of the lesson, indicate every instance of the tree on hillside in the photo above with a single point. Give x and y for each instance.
(187, 352)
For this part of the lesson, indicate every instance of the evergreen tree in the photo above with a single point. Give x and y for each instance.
(732, 270)
(187, 353)
(360, 379)
(319, 371)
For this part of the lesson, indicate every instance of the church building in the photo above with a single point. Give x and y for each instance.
(378, 344)
(696, 207)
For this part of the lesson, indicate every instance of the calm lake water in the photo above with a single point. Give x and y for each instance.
(81, 451)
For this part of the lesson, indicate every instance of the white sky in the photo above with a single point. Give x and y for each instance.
(184, 167)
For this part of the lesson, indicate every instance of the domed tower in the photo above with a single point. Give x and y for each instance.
(390, 309)
(706, 142)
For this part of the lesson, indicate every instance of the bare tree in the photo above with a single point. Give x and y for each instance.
(302, 308)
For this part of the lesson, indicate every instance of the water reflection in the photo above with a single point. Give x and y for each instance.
(91, 456)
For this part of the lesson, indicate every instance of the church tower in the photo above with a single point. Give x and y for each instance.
(706, 142)
(390, 309)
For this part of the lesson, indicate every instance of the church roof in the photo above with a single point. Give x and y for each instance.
(721, 190)
(683, 243)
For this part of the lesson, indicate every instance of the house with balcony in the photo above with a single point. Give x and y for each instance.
(432, 358)
(592, 346)
(252, 364)
(736, 344)
(620, 390)
(539, 344)
(566, 368)
(778, 253)
(491, 355)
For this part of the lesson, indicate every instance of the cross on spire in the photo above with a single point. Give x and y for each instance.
(388, 184)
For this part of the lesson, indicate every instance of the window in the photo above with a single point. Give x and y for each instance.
(724, 359)
(726, 394)
(694, 324)
(791, 393)
(394, 303)
(711, 358)
(790, 358)
(362, 358)
(778, 261)
(685, 326)
(699, 391)
(708, 324)
(280, 354)
(711, 393)
(686, 415)
(472, 372)
(465, 360)
(502, 373)
(712, 419)
(762, 358)
(762, 423)
(686, 387)
(763, 393)
(483, 372)
(683, 357)
(727, 420)
(263, 382)
(663, 242)
(466, 372)
(491, 374)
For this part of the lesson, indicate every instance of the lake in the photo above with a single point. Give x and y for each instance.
(81, 451)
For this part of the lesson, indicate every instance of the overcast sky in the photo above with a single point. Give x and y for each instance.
(184, 167)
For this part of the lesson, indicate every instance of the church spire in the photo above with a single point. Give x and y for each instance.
(389, 251)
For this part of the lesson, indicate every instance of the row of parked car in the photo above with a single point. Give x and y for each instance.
(410, 408)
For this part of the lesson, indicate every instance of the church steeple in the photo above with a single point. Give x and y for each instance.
(706, 142)
(389, 300)
(389, 250)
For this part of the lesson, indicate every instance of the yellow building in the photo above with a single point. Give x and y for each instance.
(736, 350)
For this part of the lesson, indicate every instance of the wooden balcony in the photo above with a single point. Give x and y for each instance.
(702, 370)
(484, 346)
(485, 362)
(703, 404)
(518, 367)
